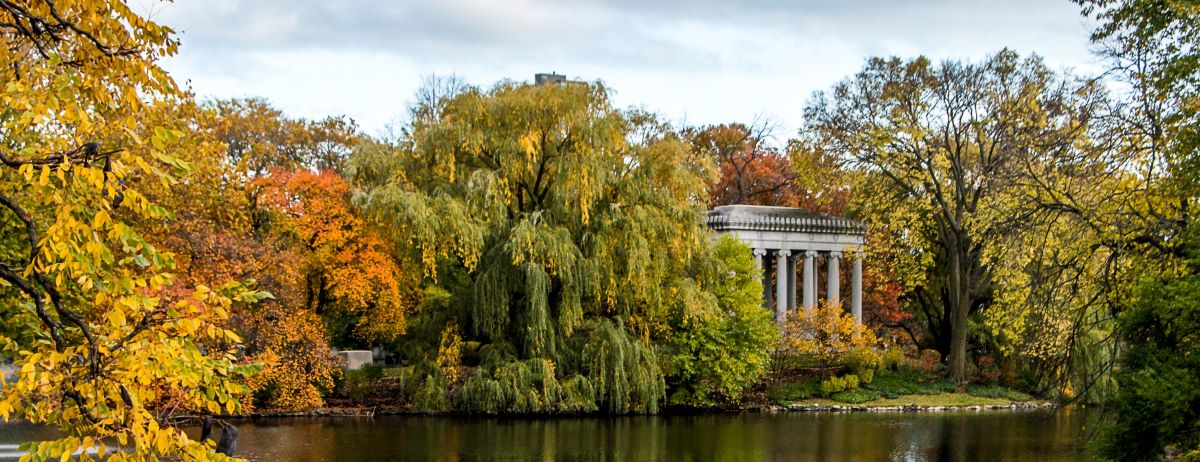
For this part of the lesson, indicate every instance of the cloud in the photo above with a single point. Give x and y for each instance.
(708, 60)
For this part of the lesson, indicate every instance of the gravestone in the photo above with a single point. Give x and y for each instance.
(356, 359)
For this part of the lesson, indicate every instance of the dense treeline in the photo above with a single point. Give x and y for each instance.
(533, 249)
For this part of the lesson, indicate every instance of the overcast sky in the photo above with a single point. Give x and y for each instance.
(695, 62)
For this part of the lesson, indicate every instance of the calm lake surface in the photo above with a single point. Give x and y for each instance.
(983, 436)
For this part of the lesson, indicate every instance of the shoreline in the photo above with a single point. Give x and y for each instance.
(763, 409)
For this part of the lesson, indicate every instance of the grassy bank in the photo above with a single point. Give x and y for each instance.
(406, 390)
(938, 400)
(901, 386)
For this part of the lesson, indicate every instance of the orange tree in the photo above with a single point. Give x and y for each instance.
(107, 350)
(350, 274)
(749, 169)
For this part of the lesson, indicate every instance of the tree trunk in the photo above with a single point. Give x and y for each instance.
(959, 306)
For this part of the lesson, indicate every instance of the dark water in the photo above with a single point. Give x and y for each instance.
(987, 436)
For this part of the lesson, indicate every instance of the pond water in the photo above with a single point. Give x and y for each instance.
(965, 436)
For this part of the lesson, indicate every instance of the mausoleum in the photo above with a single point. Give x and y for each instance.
(782, 237)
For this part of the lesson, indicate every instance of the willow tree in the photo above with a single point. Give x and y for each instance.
(572, 221)
(947, 146)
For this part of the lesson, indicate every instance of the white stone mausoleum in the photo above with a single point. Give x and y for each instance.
(782, 237)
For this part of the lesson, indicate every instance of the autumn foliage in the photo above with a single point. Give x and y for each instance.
(349, 268)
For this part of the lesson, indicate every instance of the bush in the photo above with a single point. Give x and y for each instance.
(828, 336)
(357, 384)
(893, 358)
(930, 361)
(851, 381)
(431, 396)
(855, 396)
(527, 386)
(838, 384)
(370, 371)
(986, 370)
(787, 392)
(721, 336)
(832, 385)
(863, 361)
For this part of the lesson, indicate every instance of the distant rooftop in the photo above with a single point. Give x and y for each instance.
(788, 219)
(552, 78)
(542, 79)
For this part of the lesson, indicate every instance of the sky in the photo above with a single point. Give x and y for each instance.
(693, 62)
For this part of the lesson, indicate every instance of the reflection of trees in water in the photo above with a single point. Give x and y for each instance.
(786, 437)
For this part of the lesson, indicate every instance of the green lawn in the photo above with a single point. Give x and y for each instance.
(899, 387)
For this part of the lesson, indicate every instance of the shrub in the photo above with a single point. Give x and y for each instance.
(930, 360)
(449, 357)
(855, 396)
(828, 335)
(370, 371)
(526, 386)
(944, 386)
(431, 396)
(986, 370)
(721, 336)
(838, 384)
(893, 358)
(832, 385)
(863, 361)
(867, 376)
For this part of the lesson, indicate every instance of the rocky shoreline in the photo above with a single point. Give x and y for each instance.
(768, 409)
(1015, 406)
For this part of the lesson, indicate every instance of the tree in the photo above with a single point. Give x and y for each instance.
(293, 233)
(350, 271)
(107, 350)
(750, 171)
(1158, 401)
(720, 346)
(944, 144)
(1152, 48)
(260, 138)
(571, 223)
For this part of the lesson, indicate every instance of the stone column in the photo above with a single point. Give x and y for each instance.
(833, 283)
(810, 282)
(856, 288)
(791, 283)
(765, 265)
(781, 284)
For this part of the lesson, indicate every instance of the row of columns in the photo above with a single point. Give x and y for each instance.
(785, 281)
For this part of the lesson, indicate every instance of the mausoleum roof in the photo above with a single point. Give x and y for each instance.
(785, 219)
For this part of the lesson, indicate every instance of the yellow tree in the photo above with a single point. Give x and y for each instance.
(946, 146)
(218, 233)
(106, 352)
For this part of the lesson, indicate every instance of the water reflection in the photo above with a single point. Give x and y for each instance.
(992, 436)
